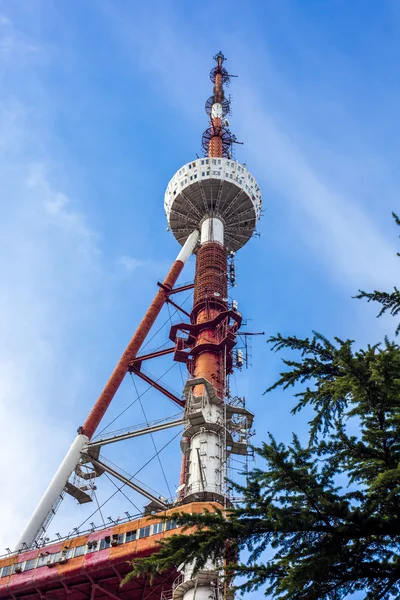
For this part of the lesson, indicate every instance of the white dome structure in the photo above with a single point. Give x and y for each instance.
(214, 187)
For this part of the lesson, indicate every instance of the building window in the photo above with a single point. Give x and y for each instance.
(157, 528)
(190, 166)
(6, 571)
(195, 176)
(79, 550)
(92, 546)
(53, 558)
(105, 542)
(42, 560)
(30, 564)
(144, 531)
(17, 568)
(202, 162)
(130, 536)
(170, 525)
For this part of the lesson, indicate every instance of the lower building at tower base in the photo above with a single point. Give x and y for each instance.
(92, 566)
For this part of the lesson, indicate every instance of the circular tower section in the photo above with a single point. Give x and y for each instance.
(214, 187)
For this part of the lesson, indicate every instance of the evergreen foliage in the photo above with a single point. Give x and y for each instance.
(390, 301)
(320, 520)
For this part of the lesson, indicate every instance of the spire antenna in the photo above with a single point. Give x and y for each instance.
(217, 140)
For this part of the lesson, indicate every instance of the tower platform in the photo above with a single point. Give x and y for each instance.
(214, 187)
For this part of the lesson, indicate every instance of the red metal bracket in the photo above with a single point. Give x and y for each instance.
(140, 359)
(193, 329)
(183, 288)
(169, 301)
(134, 369)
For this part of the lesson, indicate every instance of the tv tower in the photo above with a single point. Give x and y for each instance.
(212, 206)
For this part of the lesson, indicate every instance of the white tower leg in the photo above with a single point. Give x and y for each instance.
(73, 455)
(53, 491)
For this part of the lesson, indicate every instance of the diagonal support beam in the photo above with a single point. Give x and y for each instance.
(129, 482)
(169, 301)
(158, 387)
(151, 355)
(135, 433)
(66, 588)
(183, 288)
(106, 591)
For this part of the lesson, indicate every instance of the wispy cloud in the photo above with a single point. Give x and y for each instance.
(47, 252)
(55, 281)
(338, 227)
(131, 264)
(16, 47)
(63, 216)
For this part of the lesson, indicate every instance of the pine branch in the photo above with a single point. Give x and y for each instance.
(390, 302)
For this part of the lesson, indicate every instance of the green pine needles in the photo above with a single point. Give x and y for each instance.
(322, 520)
(390, 302)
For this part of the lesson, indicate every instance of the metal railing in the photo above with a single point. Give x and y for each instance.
(119, 432)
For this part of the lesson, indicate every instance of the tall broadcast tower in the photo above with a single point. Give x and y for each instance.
(212, 206)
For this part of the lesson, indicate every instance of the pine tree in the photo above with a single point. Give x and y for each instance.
(320, 520)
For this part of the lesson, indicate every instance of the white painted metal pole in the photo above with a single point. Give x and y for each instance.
(53, 491)
(188, 246)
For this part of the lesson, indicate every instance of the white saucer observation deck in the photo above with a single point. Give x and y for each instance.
(214, 187)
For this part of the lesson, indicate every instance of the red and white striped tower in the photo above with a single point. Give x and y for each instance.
(219, 196)
(212, 206)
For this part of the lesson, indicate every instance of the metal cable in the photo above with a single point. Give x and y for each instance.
(139, 396)
(123, 493)
(165, 323)
(180, 366)
(134, 402)
(99, 509)
(152, 439)
(146, 344)
(123, 485)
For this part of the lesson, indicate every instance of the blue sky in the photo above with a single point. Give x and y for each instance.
(100, 104)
